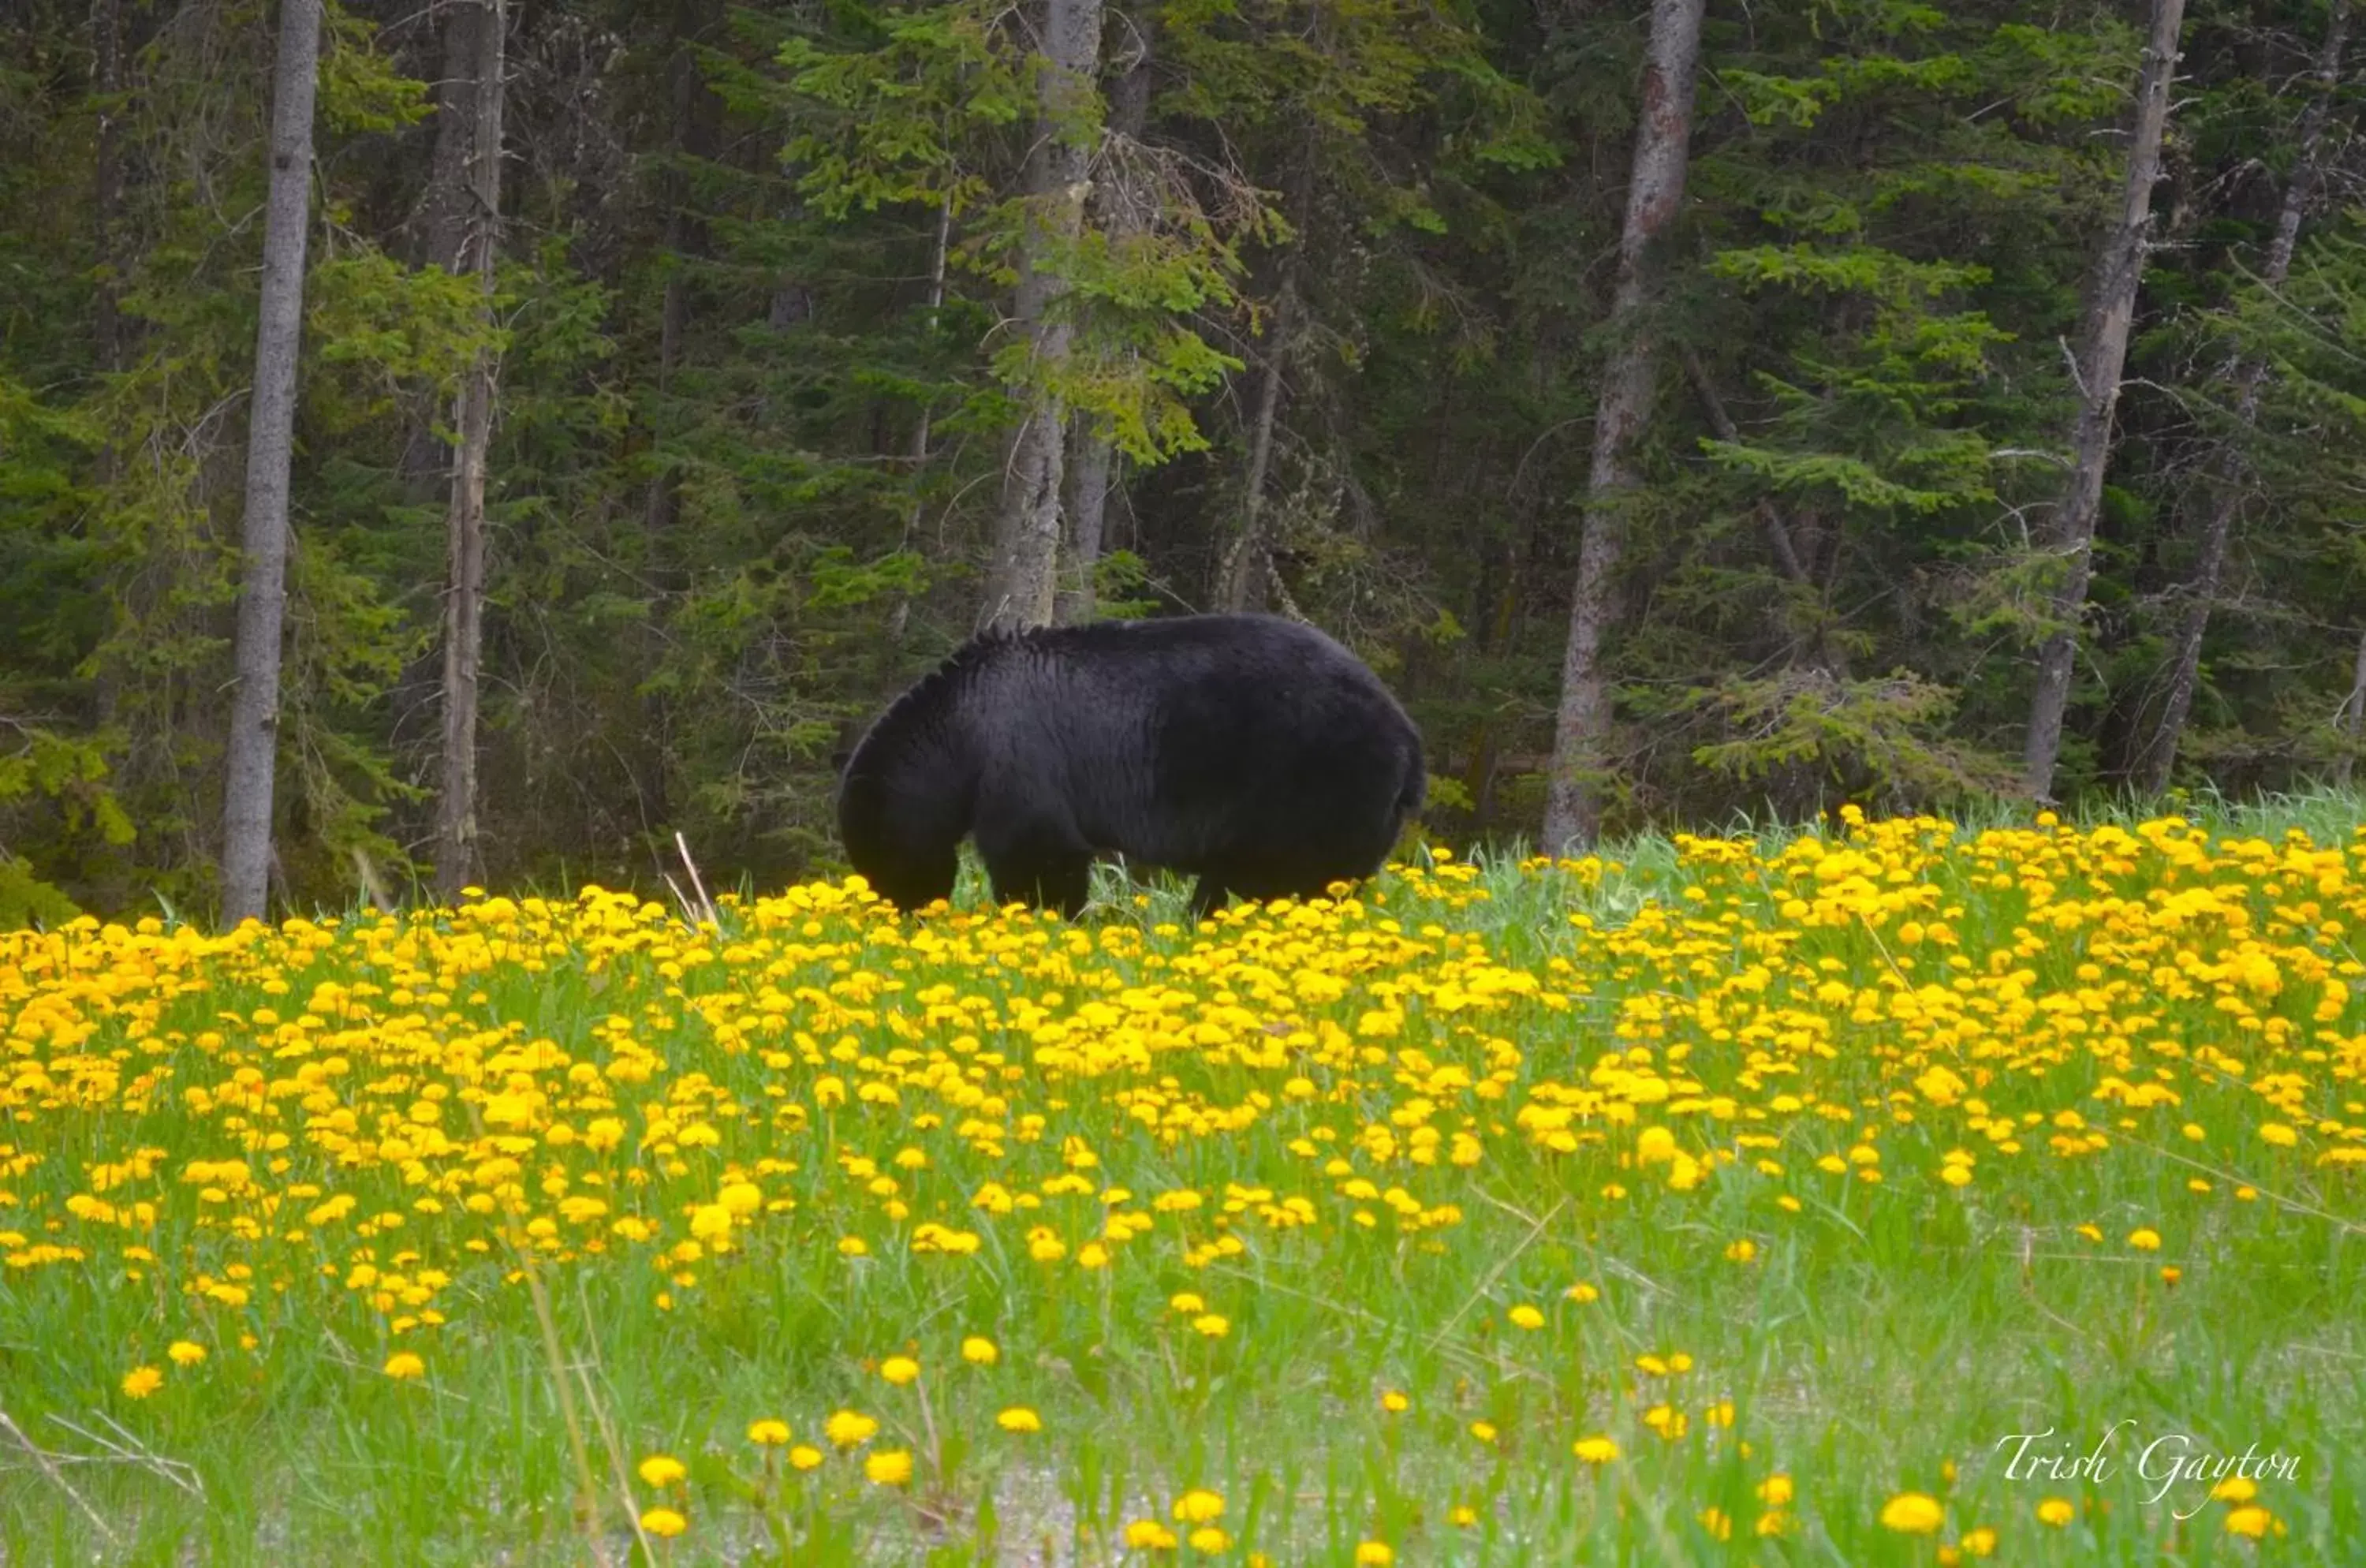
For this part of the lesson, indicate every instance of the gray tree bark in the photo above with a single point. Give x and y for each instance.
(900, 618)
(456, 857)
(1654, 194)
(1023, 578)
(107, 182)
(2352, 719)
(1249, 567)
(922, 429)
(2102, 353)
(1091, 474)
(684, 234)
(2250, 376)
(253, 749)
(1822, 647)
(441, 223)
(1089, 480)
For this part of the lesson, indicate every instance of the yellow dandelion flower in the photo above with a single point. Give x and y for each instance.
(1776, 1490)
(1596, 1450)
(142, 1381)
(404, 1365)
(1463, 1514)
(1019, 1418)
(2145, 1239)
(1913, 1513)
(1149, 1535)
(1198, 1506)
(2279, 1134)
(2250, 1520)
(185, 1352)
(804, 1456)
(1215, 1326)
(1980, 1542)
(1483, 1430)
(1187, 1302)
(899, 1370)
(662, 1470)
(980, 1351)
(2055, 1511)
(849, 1429)
(1374, 1554)
(1209, 1538)
(664, 1523)
(889, 1467)
(1394, 1402)
(1583, 1292)
(2235, 1489)
(768, 1434)
(1526, 1317)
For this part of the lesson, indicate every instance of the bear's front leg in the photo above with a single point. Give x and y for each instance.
(1062, 883)
(1034, 858)
(1209, 896)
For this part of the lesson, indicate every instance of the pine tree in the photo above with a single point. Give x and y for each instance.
(464, 589)
(1654, 193)
(253, 750)
(1021, 583)
(2102, 352)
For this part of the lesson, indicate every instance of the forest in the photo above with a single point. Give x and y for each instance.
(474, 442)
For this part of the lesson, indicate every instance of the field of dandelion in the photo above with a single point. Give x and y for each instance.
(1906, 1194)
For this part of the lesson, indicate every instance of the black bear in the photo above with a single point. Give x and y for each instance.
(1252, 752)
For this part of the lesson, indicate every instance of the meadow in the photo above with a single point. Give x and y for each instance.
(1909, 1193)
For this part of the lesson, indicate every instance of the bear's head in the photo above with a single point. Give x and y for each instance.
(901, 814)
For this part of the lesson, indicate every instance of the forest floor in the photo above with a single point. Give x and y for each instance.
(1909, 1193)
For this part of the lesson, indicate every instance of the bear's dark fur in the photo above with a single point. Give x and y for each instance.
(1252, 752)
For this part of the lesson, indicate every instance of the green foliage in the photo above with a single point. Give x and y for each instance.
(1814, 740)
(889, 100)
(26, 900)
(749, 432)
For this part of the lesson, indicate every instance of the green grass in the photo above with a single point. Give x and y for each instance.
(1879, 1338)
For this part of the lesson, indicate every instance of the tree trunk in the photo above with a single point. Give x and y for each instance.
(1249, 566)
(1824, 650)
(464, 603)
(1654, 193)
(2103, 351)
(1091, 475)
(2353, 719)
(1089, 481)
(253, 751)
(2250, 376)
(106, 184)
(684, 235)
(442, 223)
(921, 431)
(1021, 579)
(900, 618)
